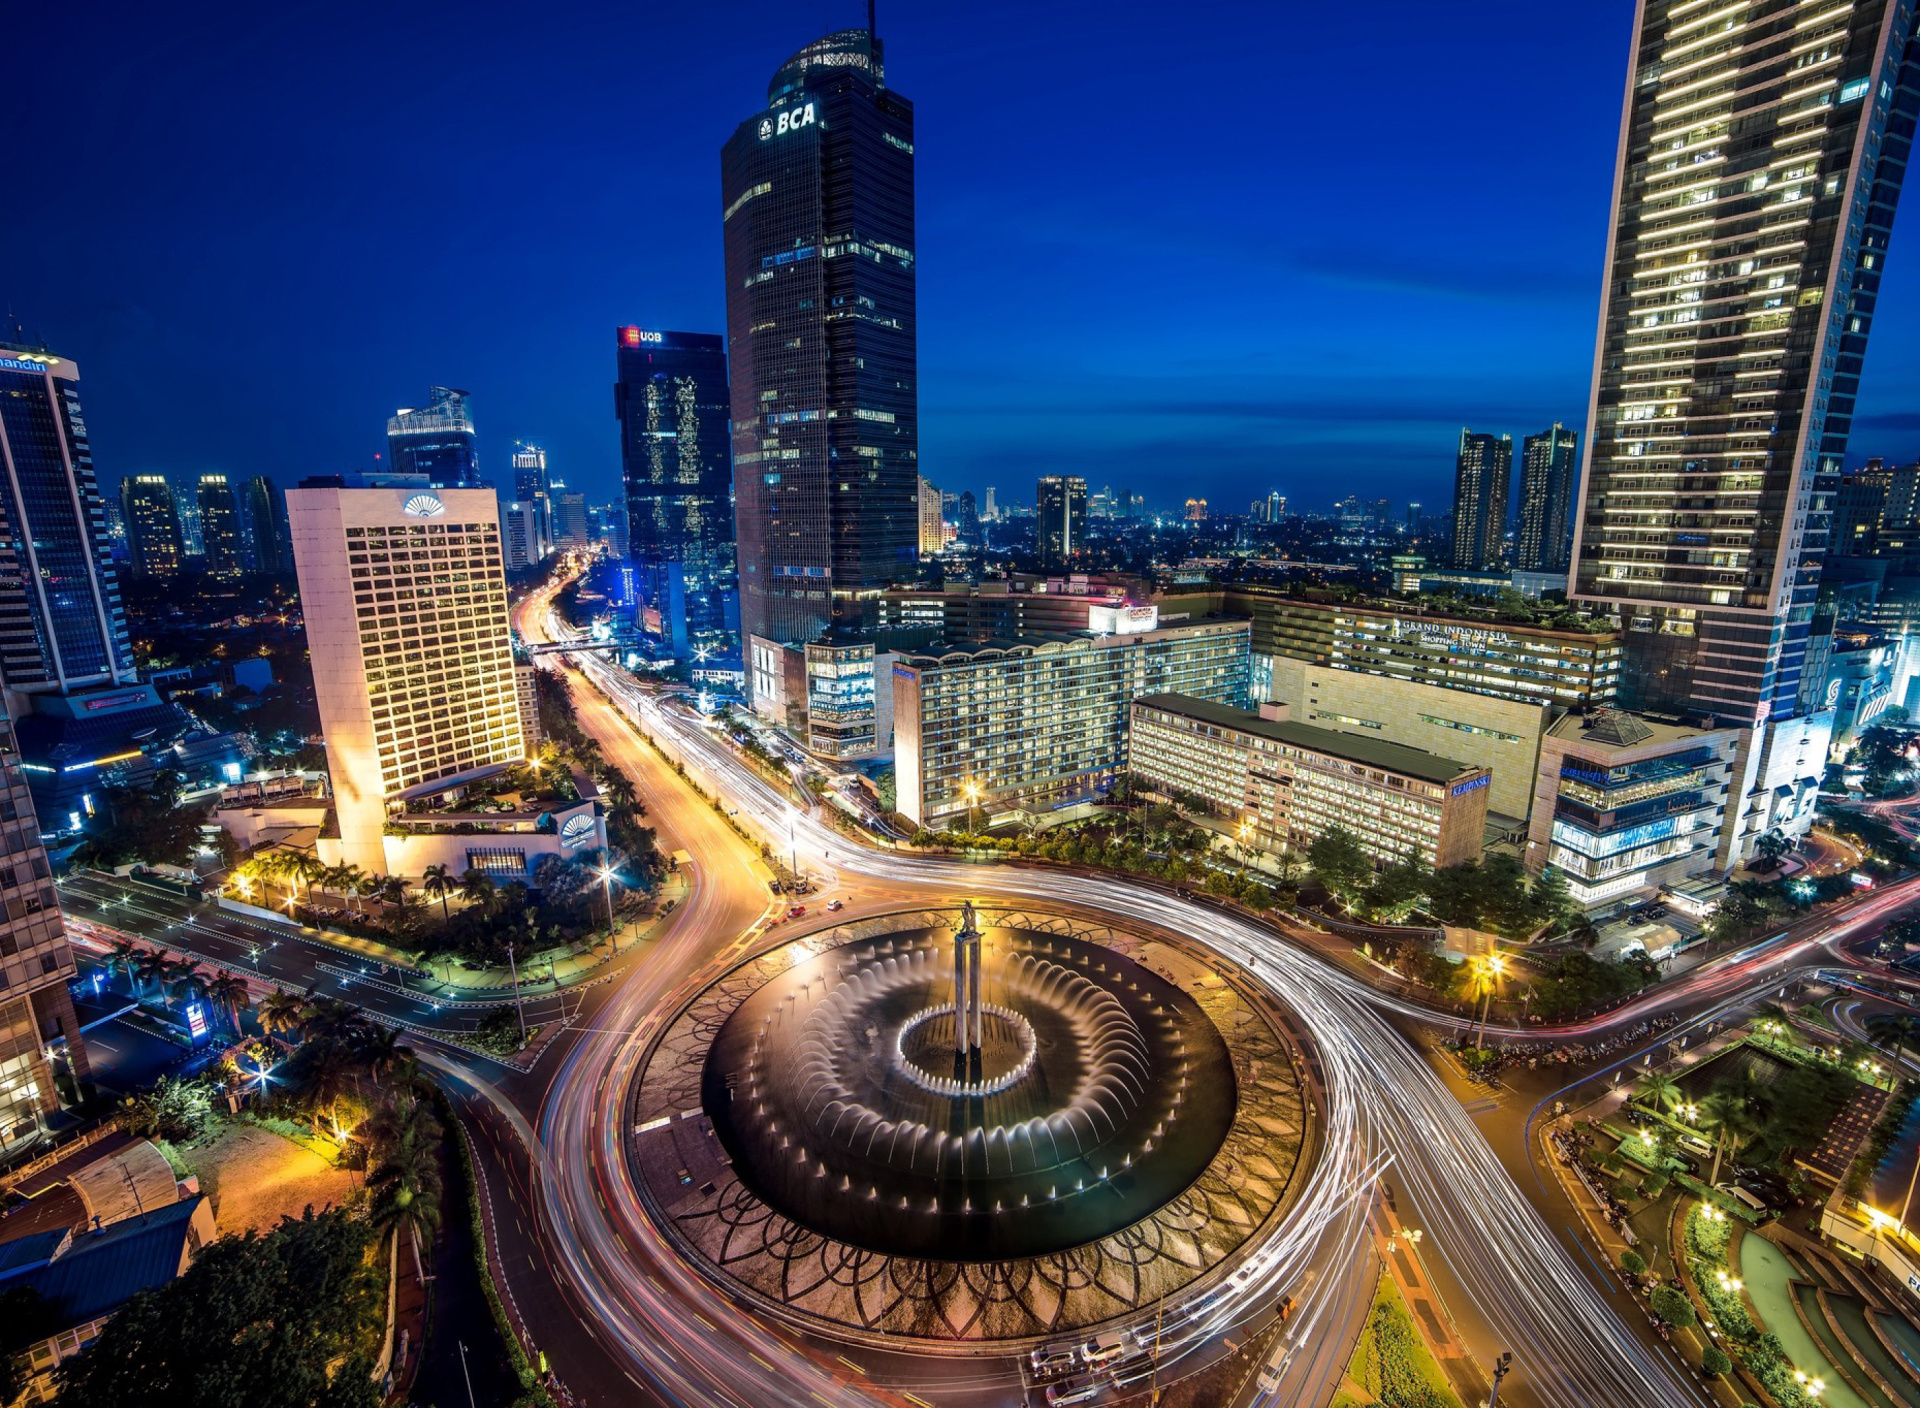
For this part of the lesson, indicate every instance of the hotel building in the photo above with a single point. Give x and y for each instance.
(406, 614)
(1290, 782)
(1040, 723)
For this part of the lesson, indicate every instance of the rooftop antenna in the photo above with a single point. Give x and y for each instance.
(870, 28)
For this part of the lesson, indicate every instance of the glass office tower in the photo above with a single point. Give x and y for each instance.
(1060, 518)
(1547, 469)
(61, 622)
(1761, 154)
(817, 203)
(436, 440)
(1482, 476)
(676, 458)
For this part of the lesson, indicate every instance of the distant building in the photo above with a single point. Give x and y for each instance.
(817, 211)
(1196, 511)
(931, 520)
(676, 460)
(220, 539)
(264, 515)
(1041, 722)
(1482, 478)
(436, 440)
(991, 513)
(570, 521)
(1549, 465)
(1060, 518)
(530, 486)
(520, 525)
(154, 548)
(1859, 507)
(1289, 782)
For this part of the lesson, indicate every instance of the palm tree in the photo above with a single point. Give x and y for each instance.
(1892, 1030)
(386, 1057)
(393, 889)
(1660, 1091)
(124, 956)
(406, 1182)
(187, 979)
(282, 1012)
(152, 966)
(330, 1019)
(477, 888)
(1725, 1111)
(438, 881)
(230, 991)
(353, 883)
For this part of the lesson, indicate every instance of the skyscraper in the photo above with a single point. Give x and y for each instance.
(1758, 172)
(520, 528)
(676, 458)
(1060, 509)
(531, 487)
(61, 623)
(1761, 158)
(991, 513)
(436, 440)
(817, 204)
(1547, 470)
(220, 527)
(263, 513)
(1482, 474)
(570, 524)
(154, 548)
(406, 614)
(1859, 507)
(932, 521)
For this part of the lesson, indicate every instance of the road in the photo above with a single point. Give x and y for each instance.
(1386, 1110)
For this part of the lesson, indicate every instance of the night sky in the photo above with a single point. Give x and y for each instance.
(1209, 248)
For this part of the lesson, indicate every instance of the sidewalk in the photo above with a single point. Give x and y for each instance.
(1402, 1258)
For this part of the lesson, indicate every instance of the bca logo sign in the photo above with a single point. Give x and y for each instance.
(790, 120)
(423, 506)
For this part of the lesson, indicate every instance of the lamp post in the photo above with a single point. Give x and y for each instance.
(606, 883)
(1491, 967)
(971, 791)
(1501, 1368)
(519, 1007)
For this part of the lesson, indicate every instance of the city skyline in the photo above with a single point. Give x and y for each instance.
(1447, 334)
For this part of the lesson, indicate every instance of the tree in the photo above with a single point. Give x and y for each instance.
(1552, 900)
(1660, 1090)
(405, 1181)
(124, 955)
(438, 881)
(1771, 847)
(1671, 1306)
(1725, 1112)
(477, 889)
(1892, 1030)
(1633, 1263)
(282, 1013)
(1339, 862)
(287, 1320)
(1715, 1363)
(152, 966)
(231, 992)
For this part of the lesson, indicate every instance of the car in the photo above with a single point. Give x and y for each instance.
(794, 911)
(1097, 1353)
(1053, 1359)
(773, 887)
(834, 904)
(1073, 1391)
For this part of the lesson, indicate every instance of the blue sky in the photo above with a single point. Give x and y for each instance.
(1211, 249)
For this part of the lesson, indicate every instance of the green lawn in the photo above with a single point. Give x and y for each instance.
(1392, 1362)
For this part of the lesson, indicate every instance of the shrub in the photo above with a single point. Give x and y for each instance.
(1714, 1363)
(1671, 1306)
(1633, 1263)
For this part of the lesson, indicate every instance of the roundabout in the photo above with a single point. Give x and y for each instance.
(961, 1127)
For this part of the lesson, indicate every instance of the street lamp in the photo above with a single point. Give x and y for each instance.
(971, 791)
(606, 882)
(1492, 965)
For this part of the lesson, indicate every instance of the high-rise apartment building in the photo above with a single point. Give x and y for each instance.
(1859, 508)
(406, 615)
(676, 457)
(932, 521)
(1549, 463)
(42, 1060)
(1483, 473)
(62, 626)
(154, 548)
(990, 513)
(520, 527)
(1060, 518)
(220, 539)
(263, 513)
(436, 440)
(1761, 156)
(817, 204)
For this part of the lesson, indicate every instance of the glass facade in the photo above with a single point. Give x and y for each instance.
(1060, 501)
(1482, 477)
(676, 458)
(436, 440)
(817, 193)
(154, 546)
(1762, 153)
(61, 621)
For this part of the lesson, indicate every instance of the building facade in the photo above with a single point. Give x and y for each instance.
(932, 521)
(154, 548)
(263, 514)
(1626, 805)
(1549, 464)
(222, 547)
(1290, 782)
(436, 440)
(1060, 519)
(676, 458)
(1042, 723)
(406, 614)
(520, 528)
(1482, 480)
(817, 197)
(62, 626)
